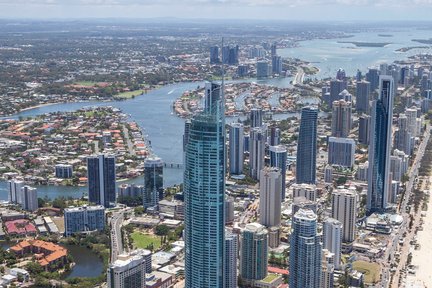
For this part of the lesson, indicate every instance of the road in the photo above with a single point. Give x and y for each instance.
(128, 141)
(116, 236)
(299, 77)
(404, 250)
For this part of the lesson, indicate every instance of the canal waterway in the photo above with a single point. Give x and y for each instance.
(153, 111)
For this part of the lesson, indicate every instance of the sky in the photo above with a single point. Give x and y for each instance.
(328, 10)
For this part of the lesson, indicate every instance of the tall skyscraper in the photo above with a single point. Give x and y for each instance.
(344, 209)
(332, 239)
(101, 175)
(214, 55)
(380, 146)
(256, 117)
(307, 146)
(363, 91)
(305, 255)
(262, 69)
(254, 253)
(231, 255)
(270, 197)
(274, 136)
(364, 129)
(256, 151)
(372, 76)
(341, 151)
(336, 87)
(153, 181)
(278, 158)
(204, 189)
(236, 148)
(403, 137)
(127, 271)
(29, 198)
(277, 64)
(15, 186)
(341, 119)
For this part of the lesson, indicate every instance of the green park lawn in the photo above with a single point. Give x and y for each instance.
(129, 94)
(141, 240)
(86, 83)
(371, 271)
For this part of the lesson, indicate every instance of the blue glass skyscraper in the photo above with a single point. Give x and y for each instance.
(101, 175)
(204, 186)
(307, 146)
(236, 148)
(153, 182)
(305, 255)
(380, 146)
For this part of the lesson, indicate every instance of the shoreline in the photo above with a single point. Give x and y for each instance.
(421, 257)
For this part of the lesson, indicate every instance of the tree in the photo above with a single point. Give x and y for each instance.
(161, 230)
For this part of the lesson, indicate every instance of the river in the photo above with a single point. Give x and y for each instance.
(153, 112)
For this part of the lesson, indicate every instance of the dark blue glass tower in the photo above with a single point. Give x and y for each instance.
(101, 175)
(307, 146)
(204, 187)
(380, 146)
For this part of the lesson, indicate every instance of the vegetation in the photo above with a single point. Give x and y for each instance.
(146, 241)
(370, 270)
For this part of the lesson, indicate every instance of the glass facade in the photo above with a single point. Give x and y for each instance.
(305, 255)
(380, 147)
(153, 182)
(101, 175)
(204, 187)
(307, 146)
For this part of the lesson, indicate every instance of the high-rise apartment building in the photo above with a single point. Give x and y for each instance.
(341, 152)
(153, 181)
(332, 239)
(341, 118)
(101, 175)
(256, 151)
(256, 117)
(254, 253)
(363, 91)
(380, 146)
(307, 191)
(306, 250)
(236, 148)
(344, 209)
(270, 197)
(14, 195)
(307, 146)
(128, 271)
(84, 219)
(29, 198)
(278, 158)
(204, 194)
(231, 255)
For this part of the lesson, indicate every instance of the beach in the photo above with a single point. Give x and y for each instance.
(422, 257)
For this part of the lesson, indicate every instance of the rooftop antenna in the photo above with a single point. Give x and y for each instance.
(223, 82)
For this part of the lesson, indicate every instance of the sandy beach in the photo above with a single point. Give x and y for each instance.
(422, 258)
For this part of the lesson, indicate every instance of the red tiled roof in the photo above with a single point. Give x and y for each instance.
(277, 270)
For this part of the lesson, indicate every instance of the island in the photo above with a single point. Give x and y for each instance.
(423, 41)
(366, 44)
